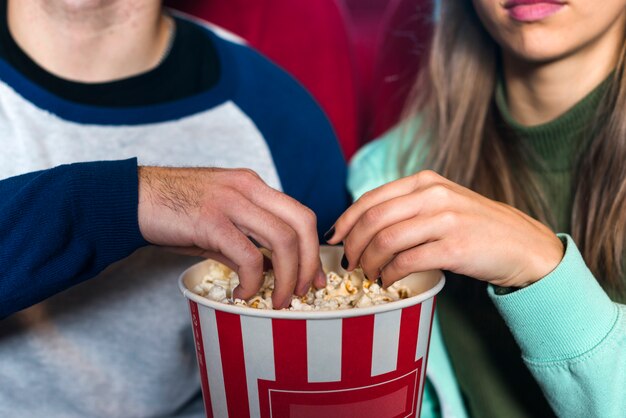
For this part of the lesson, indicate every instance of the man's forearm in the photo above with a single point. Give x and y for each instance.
(61, 226)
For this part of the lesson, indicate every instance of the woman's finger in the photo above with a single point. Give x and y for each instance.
(391, 190)
(400, 237)
(417, 203)
(425, 257)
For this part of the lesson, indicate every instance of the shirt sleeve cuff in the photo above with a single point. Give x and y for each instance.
(561, 316)
(106, 199)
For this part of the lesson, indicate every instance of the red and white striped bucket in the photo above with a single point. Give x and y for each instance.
(364, 362)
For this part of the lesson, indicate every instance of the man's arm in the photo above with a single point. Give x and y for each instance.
(61, 226)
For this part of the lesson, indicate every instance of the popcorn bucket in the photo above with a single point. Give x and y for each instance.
(362, 362)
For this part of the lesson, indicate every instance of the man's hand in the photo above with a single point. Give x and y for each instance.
(213, 212)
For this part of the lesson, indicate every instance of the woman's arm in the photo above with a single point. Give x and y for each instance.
(572, 335)
(573, 338)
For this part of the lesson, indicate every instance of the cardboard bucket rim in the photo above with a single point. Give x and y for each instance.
(194, 273)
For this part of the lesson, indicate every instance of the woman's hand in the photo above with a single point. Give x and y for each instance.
(425, 222)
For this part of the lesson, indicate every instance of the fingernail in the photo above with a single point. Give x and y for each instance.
(329, 234)
(267, 264)
(322, 278)
(255, 242)
(283, 305)
(344, 262)
(379, 282)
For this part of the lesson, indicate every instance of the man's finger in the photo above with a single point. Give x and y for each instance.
(207, 254)
(276, 235)
(221, 234)
(303, 221)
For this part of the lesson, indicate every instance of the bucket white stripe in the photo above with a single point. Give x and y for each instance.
(323, 347)
(424, 329)
(386, 339)
(258, 351)
(422, 341)
(213, 361)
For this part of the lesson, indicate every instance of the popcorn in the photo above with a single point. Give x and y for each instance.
(351, 290)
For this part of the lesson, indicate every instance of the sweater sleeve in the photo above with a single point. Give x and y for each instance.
(61, 226)
(572, 337)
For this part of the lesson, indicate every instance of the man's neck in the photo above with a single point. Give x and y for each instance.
(540, 92)
(91, 41)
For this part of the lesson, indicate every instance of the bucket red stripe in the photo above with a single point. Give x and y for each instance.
(290, 350)
(233, 365)
(409, 327)
(357, 336)
(204, 380)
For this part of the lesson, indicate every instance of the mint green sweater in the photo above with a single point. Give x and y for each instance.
(572, 336)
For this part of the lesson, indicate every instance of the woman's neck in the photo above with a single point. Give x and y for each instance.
(540, 92)
(90, 40)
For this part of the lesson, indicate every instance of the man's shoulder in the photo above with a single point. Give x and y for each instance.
(252, 75)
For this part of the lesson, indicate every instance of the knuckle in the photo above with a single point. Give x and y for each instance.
(288, 238)
(247, 177)
(384, 240)
(227, 195)
(449, 219)
(254, 259)
(439, 192)
(373, 216)
(309, 218)
(405, 261)
(366, 196)
(427, 176)
(249, 173)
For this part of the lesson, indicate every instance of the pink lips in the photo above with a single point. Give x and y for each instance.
(532, 10)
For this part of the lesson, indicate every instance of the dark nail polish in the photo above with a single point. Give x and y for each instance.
(329, 234)
(344, 262)
(379, 282)
(255, 242)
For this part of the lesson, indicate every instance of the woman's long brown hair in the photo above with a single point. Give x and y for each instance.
(454, 97)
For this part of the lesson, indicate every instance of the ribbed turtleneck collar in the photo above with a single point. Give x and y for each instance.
(558, 143)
